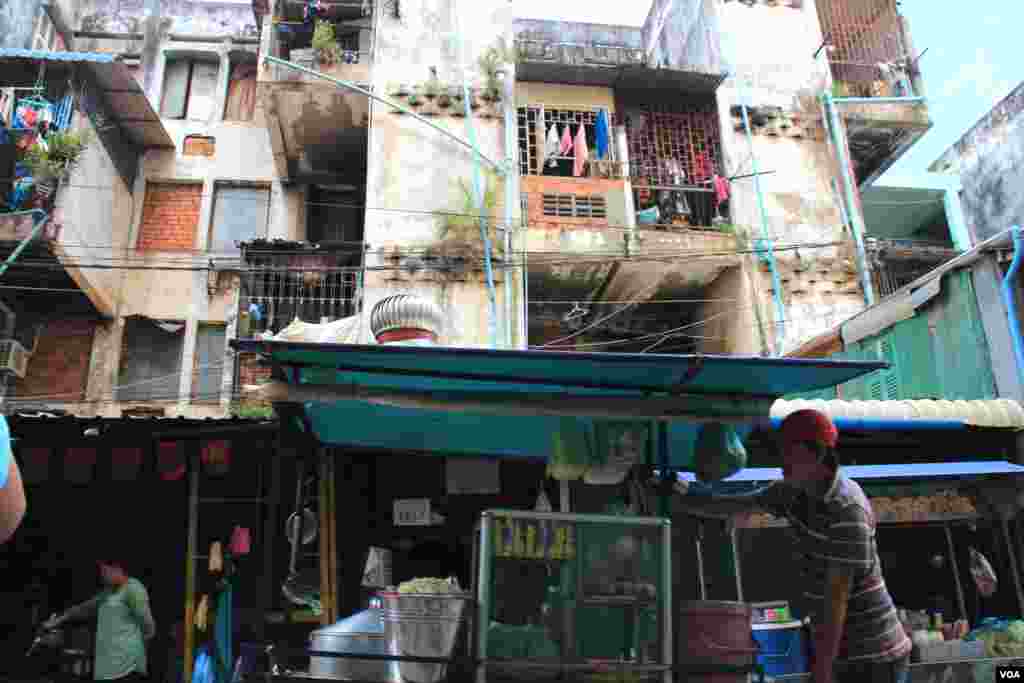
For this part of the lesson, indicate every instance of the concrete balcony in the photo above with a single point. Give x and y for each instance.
(879, 131)
(621, 57)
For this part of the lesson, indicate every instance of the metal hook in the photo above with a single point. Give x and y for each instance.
(576, 312)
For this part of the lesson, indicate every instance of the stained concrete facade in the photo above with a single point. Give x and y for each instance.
(989, 159)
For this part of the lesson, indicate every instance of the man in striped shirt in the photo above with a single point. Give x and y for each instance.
(857, 632)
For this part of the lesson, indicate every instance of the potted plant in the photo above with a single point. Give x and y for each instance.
(432, 88)
(50, 164)
(415, 101)
(444, 98)
(325, 43)
(457, 98)
(399, 90)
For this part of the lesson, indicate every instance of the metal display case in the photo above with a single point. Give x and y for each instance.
(586, 597)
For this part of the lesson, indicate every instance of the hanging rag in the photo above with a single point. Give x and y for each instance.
(202, 613)
(551, 147)
(241, 541)
(721, 189)
(222, 635)
(601, 133)
(565, 146)
(216, 557)
(580, 152)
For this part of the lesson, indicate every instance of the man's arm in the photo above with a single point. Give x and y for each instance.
(81, 611)
(848, 548)
(138, 602)
(838, 584)
(12, 499)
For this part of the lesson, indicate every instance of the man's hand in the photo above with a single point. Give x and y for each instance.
(53, 622)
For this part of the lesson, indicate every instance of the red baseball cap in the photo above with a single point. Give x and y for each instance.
(809, 425)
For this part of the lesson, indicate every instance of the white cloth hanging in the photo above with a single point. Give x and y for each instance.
(551, 145)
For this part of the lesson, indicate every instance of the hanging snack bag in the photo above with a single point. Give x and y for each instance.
(984, 575)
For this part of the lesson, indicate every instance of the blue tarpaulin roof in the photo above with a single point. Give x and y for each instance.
(456, 369)
(511, 403)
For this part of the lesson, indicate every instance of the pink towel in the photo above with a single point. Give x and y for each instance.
(565, 146)
(580, 152)
(721, 188)
(241, 542)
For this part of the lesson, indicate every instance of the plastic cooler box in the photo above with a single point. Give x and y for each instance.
(783, 648)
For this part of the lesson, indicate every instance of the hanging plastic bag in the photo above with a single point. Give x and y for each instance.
(719, 452)
(984, 575)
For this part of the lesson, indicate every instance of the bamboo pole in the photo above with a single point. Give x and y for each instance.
(323, 505)
(190, 555)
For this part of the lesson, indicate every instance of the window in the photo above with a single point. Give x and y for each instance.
(574, 206)
(241, 102)
(190, 89)
(150, 360)
(45, 35)
(208, 365)
(240, 213)
(534, 124)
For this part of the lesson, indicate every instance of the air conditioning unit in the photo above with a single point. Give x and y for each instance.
(13, 357)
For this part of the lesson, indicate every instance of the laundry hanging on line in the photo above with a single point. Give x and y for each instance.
(601, 134)
(580, 152)
(551, 147)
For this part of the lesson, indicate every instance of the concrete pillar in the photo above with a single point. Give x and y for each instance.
(622, 155)
(104, 367)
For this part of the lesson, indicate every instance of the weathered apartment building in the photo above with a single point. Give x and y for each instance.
(680, 186)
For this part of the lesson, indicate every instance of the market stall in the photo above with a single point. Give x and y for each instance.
(592, 590)
(955, 638)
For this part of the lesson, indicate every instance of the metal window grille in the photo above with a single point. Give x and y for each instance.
(575, 206)
(686, 138)
(862, 34)
(305, 286)
(534, 124)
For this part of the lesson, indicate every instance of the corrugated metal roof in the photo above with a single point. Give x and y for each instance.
(1002, 413)
(129, 108)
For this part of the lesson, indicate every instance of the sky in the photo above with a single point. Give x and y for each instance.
(968, 67)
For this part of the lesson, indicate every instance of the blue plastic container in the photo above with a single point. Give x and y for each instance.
(783, 648)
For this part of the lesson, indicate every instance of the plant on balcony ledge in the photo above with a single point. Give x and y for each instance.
(460, 232)
(54, 162)
(325, 43)
(415, 101)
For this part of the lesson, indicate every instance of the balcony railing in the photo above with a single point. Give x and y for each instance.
(867, 48)
(897, 263)
(279, 286)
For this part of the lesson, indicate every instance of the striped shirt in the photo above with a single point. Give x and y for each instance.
(839, 529)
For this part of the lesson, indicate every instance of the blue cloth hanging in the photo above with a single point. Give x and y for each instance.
(222, 630)
(601, 133)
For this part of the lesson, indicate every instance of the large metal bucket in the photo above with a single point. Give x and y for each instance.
(422, 625)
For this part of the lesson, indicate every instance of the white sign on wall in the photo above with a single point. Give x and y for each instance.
(412, 512)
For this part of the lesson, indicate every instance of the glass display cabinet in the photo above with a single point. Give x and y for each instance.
(584, 597)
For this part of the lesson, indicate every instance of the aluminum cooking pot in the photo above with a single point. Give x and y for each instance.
(362, 633)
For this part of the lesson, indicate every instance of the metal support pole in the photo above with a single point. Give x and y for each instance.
(960, 600)
(698, 540)
(40, 218)
(834, 124)
(190, 555)
(1014, 569)
(734, 541)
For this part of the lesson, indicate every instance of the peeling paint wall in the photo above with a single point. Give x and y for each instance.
(413, 167)
(990, 161)
(819, 284)
(17, 20)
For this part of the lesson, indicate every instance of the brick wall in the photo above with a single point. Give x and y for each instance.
(170, 217)
(535, 187)
(60, 364)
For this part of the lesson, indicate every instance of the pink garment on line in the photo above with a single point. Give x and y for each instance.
(565, 146)
(580, 152)
(721, 188)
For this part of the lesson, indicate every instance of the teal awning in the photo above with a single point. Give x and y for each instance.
(504, 403)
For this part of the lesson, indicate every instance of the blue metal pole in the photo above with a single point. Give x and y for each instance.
(41, 217)
(1007, 288)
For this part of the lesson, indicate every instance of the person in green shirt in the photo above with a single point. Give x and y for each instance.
(124, 623)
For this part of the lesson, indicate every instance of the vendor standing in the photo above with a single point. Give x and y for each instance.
(858, 637)
(124, 624)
